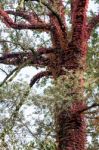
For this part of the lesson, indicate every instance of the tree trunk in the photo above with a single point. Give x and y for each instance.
(71, 128)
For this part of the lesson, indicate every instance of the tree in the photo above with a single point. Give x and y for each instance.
(66, 58)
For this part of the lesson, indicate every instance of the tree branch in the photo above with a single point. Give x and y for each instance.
(38, 76)
(48, 50)
(41, 74)
(9, 22)
(31, 17)
(16, 58)
(33, 57)
(92, 24)
(79, 20)
(2, 41)
(89, 107)
(8, 76)
(3, 71)
(57, 12)
(41, 50)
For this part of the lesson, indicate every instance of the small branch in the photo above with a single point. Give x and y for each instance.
(2, 41)
(17, 71)
(89, 107)
(3, 71)
(38, 76)
(92, 24)
(8, 76)
(29, 130)
(42, 50)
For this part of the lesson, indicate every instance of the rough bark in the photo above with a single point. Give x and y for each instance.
(71, 128)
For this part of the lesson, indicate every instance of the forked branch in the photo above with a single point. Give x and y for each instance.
(31, 17)
(10, 23)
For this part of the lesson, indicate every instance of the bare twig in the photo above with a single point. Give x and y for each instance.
(4, 71)
(89, 107)
(8, 76)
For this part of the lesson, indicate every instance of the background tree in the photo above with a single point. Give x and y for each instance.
(65, 57)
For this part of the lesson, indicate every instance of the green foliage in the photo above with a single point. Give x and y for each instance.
(17, 98)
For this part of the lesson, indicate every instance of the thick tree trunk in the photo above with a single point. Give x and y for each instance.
(71, 128)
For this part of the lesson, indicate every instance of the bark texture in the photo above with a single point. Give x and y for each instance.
(71, 128)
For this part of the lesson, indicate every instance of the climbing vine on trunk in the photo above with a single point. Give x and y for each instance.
(65, 54)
